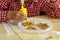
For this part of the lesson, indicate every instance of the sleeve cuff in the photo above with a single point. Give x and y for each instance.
(3, 16)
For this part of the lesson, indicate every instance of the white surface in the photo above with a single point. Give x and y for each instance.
(36, 20)
(59, 38)
(54, 33)
(16, 28)
(7, 28)
(9, 31)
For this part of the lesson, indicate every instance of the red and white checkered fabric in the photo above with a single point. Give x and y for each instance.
(51, 9)
(3, 15)
(3, 8)
(34, 7)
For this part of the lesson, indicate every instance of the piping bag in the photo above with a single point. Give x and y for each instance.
(24, 10)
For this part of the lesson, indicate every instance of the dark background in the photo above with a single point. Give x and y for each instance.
(42, 13)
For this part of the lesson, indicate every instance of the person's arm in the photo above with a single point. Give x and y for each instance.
(15, 5)
(3, 10)
(3, 15)
(33, 7)
(54, 10)
(16, 15)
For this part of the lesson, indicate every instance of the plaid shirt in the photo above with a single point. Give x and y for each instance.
(52, 9)
(34, 8)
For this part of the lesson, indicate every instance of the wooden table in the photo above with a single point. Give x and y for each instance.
(56, 24)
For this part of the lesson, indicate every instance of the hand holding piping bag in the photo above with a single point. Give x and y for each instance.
(24, 10)
(21, 15)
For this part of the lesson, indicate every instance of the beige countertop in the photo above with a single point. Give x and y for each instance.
(56, 25)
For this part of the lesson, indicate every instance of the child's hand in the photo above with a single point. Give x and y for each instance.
(20, 16)
(16, 16)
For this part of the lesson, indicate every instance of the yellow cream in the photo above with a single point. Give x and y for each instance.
(24, 11)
